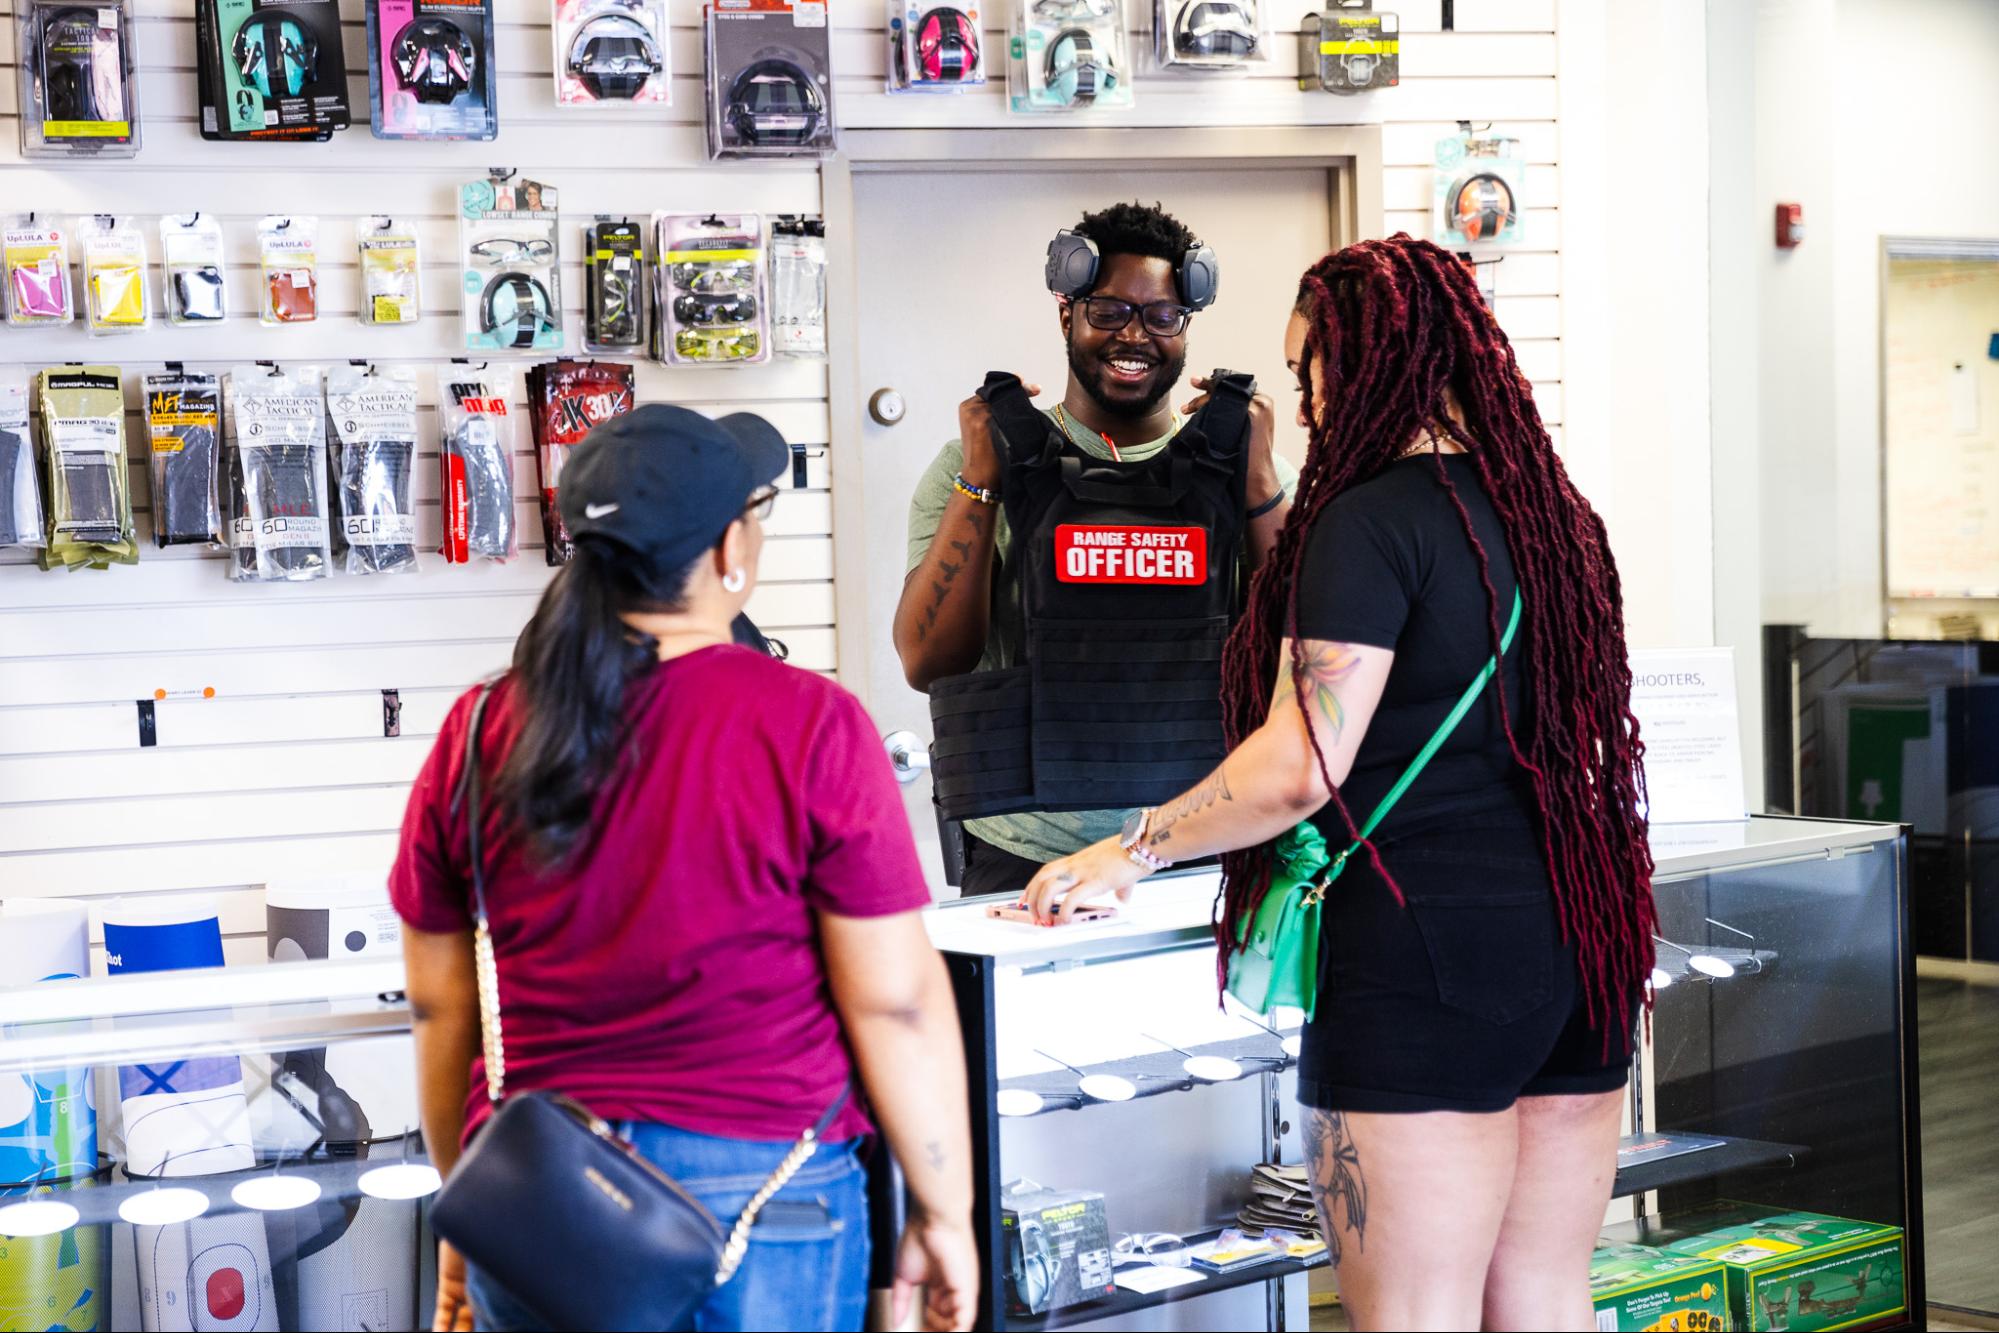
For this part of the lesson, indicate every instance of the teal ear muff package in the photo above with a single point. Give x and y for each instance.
(272, 69)
(511, 289)
(1066, 56)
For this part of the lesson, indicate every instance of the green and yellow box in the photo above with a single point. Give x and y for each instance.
(1637, 1289)
(1795, 1272)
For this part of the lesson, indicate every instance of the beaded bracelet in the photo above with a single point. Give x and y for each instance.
(983, 494)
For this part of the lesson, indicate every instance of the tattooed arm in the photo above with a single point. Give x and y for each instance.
(1270, 782)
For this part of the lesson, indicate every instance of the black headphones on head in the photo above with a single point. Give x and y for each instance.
(1074, 261)
(434, 59)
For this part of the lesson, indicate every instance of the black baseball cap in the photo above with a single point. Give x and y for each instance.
(665, 482)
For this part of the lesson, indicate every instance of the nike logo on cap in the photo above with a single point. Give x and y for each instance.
(599, 511)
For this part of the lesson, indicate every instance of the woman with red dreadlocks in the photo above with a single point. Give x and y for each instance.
(1482, 963)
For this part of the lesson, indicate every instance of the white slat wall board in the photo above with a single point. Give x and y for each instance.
(285, 770)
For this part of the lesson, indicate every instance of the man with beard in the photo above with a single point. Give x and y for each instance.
(1127, 341)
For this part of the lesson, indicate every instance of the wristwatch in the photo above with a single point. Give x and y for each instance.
(1132, 839)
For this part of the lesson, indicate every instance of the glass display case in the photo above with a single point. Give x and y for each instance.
(1776, 1079)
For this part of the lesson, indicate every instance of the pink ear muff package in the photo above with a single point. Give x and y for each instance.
(430, 69)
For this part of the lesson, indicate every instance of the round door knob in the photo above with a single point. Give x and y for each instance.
(907, 754)
(887, 407)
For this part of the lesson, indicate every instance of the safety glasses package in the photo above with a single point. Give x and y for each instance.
(288, 267)
(37, 261)
(513, 294)
(1349, 49)
(1478, 185)
(78, 94)
(1209, 36)
(184, 430)
(798, 286)
(390, 268)
(20, 488)
(613, 52)
(373, 414)
(430, 69)
(115, 289)
(89, 520)
(614, 303)
(566, 399)
(934, 48)
(1067, 55)
(280, 421)
(191, 256)
(276, 68)
(477, 454)
(770, 79)
(710, 276)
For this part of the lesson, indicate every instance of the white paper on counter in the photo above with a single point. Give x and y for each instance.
(1151, 1277)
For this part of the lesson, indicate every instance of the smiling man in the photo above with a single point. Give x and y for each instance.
(1129, 282)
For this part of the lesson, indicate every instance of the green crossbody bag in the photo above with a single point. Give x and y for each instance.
(1278, 963)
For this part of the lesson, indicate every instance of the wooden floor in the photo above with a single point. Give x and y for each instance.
(1958, 1032)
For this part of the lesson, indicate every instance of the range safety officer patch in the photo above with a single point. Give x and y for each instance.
(1156, 557)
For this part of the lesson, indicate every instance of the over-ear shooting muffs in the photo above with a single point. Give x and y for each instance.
(774, 101)
(1481, 205)
(69, 48)
(1073, 261)
(1212, 28)
(947, 46)
(1076, 71)
(614, 55)
(275, 53)
(434, 59)
(530, 307)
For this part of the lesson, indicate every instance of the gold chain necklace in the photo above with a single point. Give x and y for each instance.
(1064, 420)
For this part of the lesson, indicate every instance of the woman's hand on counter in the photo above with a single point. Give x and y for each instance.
(1064, 887)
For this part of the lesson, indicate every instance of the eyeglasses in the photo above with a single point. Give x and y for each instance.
(501, 250)
(762, 503)
(1165, 319)
(1153, 1247)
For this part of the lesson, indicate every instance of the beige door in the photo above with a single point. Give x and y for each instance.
(949, 280)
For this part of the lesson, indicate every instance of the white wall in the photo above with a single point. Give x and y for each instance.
(285, 771)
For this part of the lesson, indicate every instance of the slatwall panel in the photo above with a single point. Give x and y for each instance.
(284, 771)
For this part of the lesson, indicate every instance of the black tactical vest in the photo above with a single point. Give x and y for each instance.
(1127, 578)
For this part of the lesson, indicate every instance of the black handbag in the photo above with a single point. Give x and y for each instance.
(568, 1216)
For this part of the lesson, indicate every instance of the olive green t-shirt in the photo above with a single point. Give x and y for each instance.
(1035, 835)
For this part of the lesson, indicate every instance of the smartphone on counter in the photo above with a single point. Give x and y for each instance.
(1016, 912)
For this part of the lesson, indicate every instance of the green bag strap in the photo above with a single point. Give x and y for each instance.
(1429, 751)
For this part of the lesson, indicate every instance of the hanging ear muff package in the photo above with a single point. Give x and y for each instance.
(430, 69)
(612, 52)
(280, 432)
(512, 296)
(36, 257)
(1476, 192)
(477, 457)
(191, 258)
(78, 94)
(89, 489)
(114, 276)
(566, 400)
(614, 302)
(770, 79)
(288, 270)
(1348, 48)
(798, 286)
(1210, 36)
(711, 288)
(390, 269)
(20, 488)
(373, 415)
(184, 430)
(934, 48)
(276, 68)
(1067, 55)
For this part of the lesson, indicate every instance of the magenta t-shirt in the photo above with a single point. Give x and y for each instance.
(672, 971)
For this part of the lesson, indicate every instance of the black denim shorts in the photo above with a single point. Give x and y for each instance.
(1464, 999)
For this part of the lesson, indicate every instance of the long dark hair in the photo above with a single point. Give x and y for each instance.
(1391, 325)
(572, 667)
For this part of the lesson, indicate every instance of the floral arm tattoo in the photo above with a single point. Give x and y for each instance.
(1328, 666)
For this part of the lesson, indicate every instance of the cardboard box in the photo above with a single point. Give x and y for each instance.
(1058, 1249)
(1636, 1289)
(1795, 1272)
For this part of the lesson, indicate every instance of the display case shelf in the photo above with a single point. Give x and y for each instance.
(1730, 1156)
(1153, 1073)
(1131, 1302)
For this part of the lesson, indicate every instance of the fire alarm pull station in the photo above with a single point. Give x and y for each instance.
(1790, 226)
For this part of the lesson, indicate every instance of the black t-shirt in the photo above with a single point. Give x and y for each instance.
(1389, 565)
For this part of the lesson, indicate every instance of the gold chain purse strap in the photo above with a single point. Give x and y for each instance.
(487, 967)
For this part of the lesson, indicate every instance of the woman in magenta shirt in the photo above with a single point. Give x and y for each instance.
(703, 896)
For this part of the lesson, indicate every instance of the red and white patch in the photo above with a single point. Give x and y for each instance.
(1150, 557)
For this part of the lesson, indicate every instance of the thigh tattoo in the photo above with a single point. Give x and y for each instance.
(1337, 1181)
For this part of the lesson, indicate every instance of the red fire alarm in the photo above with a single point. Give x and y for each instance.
(1790, 226)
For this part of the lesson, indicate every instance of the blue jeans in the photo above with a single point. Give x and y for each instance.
(807, 1266)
